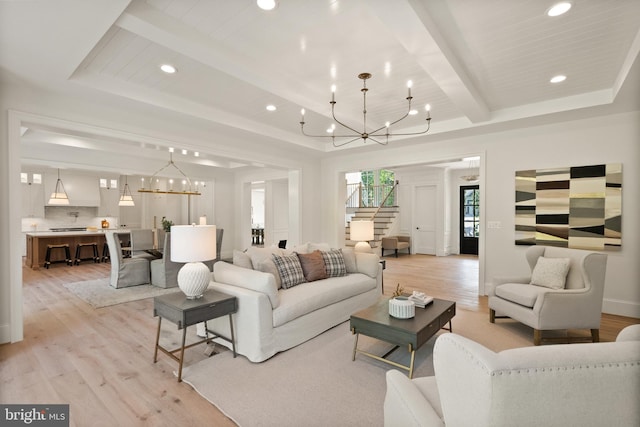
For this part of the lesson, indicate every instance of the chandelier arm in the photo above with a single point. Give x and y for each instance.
(317, 136)
(333, 114)
(379, 142)
(346, 142)
(415, 133)
(183, 174)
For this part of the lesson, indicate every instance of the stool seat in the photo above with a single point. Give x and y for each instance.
(67, 260)
(92, 245)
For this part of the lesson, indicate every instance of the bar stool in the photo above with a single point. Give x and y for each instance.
(94, 246)
(105, 252)
(67, 253)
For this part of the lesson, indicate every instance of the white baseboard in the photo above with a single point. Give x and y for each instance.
(621, 308)
(5, 334)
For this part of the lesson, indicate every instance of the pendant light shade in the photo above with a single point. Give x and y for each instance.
(59, 195)
(126, 199)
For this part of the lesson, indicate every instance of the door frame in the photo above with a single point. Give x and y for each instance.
(461, 219)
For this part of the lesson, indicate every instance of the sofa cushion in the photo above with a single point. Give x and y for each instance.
(262, 261)
(291, 273)
(334, 263)
(367, 263)
(550, 272)
(520, 293)
(350, 260)
(241, 259)
(308, 297)
(254, 280)
(313, 266)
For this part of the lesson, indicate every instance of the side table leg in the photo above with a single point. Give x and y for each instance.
(155, 353)
(355, 347)
(184, 336)
(233, 338)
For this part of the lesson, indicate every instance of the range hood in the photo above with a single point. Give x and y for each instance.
(82, 190)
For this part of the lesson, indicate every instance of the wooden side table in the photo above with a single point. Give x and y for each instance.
(184, 312)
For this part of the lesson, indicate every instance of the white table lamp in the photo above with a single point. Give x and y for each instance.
(193, 244)
(362, 232)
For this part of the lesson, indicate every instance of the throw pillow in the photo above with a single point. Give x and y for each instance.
(290, 270)
(262, 261)
(550, 272)
(334, 263)
(313, 266)
(241, 259)
(350, 259)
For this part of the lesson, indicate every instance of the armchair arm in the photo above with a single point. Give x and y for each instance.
(405, 405)
(404, 239)
(568, 308)
(390, 243)
(491, 290)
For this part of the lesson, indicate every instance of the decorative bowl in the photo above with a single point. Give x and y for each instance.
(401, 308)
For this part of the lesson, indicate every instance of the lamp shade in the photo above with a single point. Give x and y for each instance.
(361, 231)
(193, 243)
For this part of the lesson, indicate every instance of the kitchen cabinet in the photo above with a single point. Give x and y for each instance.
(33, 200)
(109, 199)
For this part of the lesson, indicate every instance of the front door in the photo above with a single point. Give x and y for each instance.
(423, 240)
(469, 219)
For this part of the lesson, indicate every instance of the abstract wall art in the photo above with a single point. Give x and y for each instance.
(573, 207)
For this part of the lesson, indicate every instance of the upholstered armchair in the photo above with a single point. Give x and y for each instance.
(564, 291)
(396, 243)
(556, 385)
(141, 241)
(219, 235)
(164, 272)
(125, 271)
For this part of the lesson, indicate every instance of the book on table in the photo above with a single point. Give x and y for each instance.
(420, 299)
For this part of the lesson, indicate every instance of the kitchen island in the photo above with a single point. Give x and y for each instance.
(37, 243)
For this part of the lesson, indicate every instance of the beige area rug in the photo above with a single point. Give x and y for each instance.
(317, 383)
(98, 293)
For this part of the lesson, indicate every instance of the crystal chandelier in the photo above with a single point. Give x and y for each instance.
(380, 135)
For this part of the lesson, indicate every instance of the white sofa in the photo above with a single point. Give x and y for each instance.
(560, 385)
(270, 320)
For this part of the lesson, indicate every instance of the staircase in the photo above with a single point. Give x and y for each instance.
(382, 221)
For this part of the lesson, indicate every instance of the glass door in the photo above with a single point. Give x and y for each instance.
(469, 219)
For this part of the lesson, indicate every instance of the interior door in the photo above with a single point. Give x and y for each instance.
(423, 240)
(469, 219)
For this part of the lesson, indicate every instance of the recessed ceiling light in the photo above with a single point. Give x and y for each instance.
(271, 107)
(184, 152)
(266, 4)
(167, 68)
(559, 8)
(413, 112)
(196, 153)
(557, 79)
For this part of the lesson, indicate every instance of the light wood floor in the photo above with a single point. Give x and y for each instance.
(100, 360)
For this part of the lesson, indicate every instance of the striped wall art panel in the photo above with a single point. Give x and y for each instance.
(575, 207)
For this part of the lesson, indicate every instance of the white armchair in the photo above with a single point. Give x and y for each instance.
(560, 385)
(554, 303)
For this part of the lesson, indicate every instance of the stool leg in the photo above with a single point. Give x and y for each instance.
(47, 259)
(67, 253)
(96, 258)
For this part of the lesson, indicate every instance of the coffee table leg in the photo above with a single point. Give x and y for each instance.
(413, 358)
(355, 347)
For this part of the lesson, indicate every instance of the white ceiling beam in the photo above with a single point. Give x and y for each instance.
(414, 28)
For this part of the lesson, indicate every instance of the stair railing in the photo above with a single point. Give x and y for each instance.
(392, 191)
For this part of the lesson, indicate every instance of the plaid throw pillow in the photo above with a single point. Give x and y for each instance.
(290, 270)
(334, 263)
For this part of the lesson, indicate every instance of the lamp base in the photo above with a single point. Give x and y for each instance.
(363, 247)
(193, 279)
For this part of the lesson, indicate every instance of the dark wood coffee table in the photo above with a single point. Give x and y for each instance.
(376, 322)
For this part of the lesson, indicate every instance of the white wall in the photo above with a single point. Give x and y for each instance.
(607, 139)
